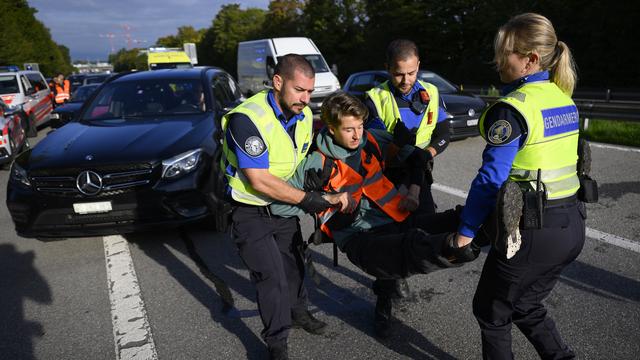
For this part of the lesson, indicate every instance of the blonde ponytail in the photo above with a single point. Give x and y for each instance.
(563, 69)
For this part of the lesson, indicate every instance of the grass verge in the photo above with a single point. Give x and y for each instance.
(613, 132)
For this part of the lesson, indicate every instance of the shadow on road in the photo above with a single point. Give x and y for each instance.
(601, 282)
(202, 290)
(618, 190)
(19, 281)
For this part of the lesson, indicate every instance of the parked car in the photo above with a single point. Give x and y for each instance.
(28, 90)
(257, 60)
(66, 112)
(463, 109)
(139, 156)
(13, 137)
(76, 80)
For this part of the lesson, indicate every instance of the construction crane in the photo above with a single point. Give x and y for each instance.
(109, 36)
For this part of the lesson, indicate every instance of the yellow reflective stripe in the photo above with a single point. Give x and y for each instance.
(545, 175)
(562, 188)
(255, 108)
(247, 198)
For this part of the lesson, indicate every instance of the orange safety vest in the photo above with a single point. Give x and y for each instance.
(368, 181)
(62, 94)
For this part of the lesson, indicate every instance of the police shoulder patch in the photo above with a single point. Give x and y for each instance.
(499, 132)
(254, 146)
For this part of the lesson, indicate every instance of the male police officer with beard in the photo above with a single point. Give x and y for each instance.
(265, 139)
(410, 110)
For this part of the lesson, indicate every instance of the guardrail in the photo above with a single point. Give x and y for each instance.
(600, 109)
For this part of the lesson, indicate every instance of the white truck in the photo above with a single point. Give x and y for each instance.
(258, 58)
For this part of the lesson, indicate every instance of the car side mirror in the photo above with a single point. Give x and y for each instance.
(30, 91)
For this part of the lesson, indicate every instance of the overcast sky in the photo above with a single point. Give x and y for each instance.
(79, 24)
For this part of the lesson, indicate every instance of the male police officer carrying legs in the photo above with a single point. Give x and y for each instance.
(410, 110)
(265, 138)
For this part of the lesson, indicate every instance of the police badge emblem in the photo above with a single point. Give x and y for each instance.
(499, 132)
(254, 146)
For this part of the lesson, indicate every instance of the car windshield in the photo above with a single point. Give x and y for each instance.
(134, 100)
(9, 85)
(319, 66)
(83, 92)
(443, 85)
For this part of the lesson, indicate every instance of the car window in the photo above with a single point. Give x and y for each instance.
(362, 83)
(37, 81)
(83, 92)
(223, 96)
(9, 85)
(233, 87)
(319, 66)
(379, 79)
(443, 85)
(131, 100)
(25, 83)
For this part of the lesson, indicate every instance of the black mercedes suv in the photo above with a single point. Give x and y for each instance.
(139, 155)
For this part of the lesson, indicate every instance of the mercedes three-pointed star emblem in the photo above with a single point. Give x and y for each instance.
(89, 183)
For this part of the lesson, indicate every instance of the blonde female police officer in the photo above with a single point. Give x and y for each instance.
(534, 126)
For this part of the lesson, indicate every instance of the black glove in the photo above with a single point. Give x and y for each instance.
(313, 202)
(402, 136)
(457, 255)
(315, 179)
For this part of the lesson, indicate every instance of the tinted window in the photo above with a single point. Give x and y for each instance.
(9, 85)
(362, 83)
(443, 85)
(223, 96)
(131, 100)
(37, 81)
(83, 92)
(317, 62)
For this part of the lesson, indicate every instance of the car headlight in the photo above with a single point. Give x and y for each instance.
(336, 85)
(181, 164)
(449, 116)
(20, 175)
(55, 115)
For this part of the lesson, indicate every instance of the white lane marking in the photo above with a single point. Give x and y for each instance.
(614, 147)
(131, 330)
(591, 233)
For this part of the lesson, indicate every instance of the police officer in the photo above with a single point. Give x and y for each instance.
(382, 237)
(532, 128)
(411, 110)
(265, 139)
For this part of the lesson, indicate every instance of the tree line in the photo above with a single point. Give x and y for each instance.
(455, 37)
(24, 39)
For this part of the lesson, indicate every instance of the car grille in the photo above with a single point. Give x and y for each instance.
(115, 180)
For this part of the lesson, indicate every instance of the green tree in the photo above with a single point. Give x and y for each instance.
(230, 26)
(284, 18)
(126, 60)
(24, 39)
(186, 34)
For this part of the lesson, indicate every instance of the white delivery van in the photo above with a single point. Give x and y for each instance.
(258, 58)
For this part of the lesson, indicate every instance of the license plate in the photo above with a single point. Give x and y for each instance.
(92, 208)
(472, 122)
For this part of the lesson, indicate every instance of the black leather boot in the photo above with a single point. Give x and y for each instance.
(305, 320)
(279, 351)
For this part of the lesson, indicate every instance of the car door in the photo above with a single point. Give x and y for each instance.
(40, 97)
